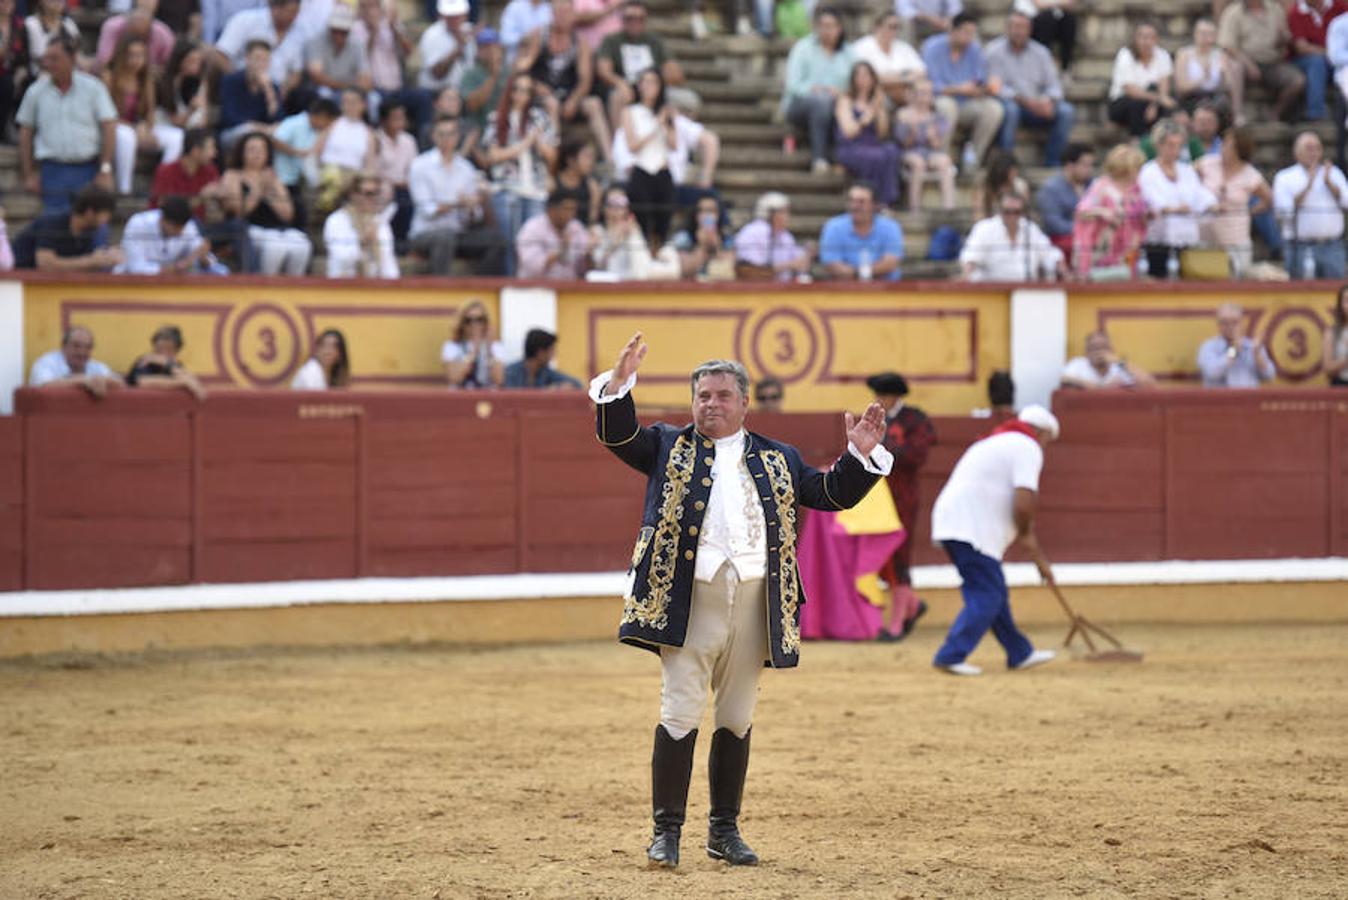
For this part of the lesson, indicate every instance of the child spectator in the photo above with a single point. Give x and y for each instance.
(922, 134)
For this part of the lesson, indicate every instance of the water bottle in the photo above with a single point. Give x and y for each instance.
(1307, 264)
(1172, 265)
(864, 265)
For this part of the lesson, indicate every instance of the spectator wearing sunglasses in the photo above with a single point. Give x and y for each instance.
(474, 358)
(358, 236)
(769, 395)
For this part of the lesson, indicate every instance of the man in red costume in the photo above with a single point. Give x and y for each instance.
(909, 435)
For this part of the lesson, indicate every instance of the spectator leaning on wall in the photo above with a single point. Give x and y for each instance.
(74, 364)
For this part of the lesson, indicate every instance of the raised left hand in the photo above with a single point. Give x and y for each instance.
(867, 432)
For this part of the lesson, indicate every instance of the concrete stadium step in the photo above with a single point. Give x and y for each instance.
(743, 90)
(747, 114)
(788, 181)
(751, 135)
(756, 158)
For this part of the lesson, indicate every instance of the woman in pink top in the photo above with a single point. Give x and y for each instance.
(597, 19)
(132, 88)
(1234, 181)
(1111, 218)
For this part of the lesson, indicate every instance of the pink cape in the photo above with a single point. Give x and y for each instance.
(831, 560)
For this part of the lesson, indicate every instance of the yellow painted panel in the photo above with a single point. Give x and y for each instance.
(823, 343)
(1162, 332)
(254, 333)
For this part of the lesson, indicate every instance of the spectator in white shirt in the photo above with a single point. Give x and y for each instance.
(358, 237)
(74, 364)
(1140, 89)
(446, 48)
(692, 140)
(451, 209)
(524, 22)
(894, 60)
(1309, 198)
(275, 24)
(165, 240)
(923, 18)
(1102, 369)
(1054, 22)
(1010, 247)
(619, 250)
(329, 367)
(1176, 198)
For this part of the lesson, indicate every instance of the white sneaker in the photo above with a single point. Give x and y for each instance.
(1037, 658)
(961, 669)
(699, 26)
(743, 27)
(820, 167)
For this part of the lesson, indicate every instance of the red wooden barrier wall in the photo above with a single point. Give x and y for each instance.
(151, 488)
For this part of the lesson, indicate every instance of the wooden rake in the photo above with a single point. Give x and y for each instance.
(1085, 628)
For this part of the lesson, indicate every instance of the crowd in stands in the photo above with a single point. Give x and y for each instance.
(565, 143)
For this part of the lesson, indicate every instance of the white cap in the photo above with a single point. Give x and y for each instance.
(452, 7)
(1040, 418)
(342, 17)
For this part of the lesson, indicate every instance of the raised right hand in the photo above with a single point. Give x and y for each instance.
(629, 360)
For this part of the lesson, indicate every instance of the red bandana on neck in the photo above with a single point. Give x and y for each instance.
(1015, 425)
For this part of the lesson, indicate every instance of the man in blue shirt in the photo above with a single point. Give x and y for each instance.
(859, 245)
(535, 370)
(965, 94)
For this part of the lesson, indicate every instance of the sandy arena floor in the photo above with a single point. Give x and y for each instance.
(1217, 768)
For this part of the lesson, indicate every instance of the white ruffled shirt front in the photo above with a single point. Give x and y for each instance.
(733, 527)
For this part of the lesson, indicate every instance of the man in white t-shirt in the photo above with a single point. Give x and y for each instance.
(73, 364)
(447, 48)
(1101, 368)
(987, 505)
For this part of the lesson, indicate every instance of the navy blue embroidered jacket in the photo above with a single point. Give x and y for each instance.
(677, 463)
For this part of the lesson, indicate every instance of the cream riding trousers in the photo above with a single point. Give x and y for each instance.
(726, 646)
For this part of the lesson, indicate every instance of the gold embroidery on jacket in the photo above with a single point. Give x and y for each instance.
(653, 610)
(784, 494)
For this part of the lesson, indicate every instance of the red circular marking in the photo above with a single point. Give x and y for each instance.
(236, 349)
(783, 312)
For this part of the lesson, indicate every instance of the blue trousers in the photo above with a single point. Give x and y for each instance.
(60, 181)
(987, 604)
(1316, 69)
(1329, 259)
(512, 211)
(1059, 127)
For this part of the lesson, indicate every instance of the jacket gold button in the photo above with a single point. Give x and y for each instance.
(708, 460)
(706, 482)
(706, 445)
(699, 505)
(692, 529)
(688, 554)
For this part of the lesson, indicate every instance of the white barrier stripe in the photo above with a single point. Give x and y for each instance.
(609, 584)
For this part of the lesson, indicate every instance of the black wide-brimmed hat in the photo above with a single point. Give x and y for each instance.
(890, 384)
